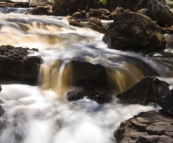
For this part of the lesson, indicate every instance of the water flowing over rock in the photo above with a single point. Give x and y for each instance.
(133, 31)
(146, 127)
(16, 65)
(150, 90)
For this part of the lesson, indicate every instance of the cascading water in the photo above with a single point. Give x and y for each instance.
(42, 114)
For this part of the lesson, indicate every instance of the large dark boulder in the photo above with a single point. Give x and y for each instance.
(160, 12)
(150, 90)
(90, 81)
(132, 31)
(16, 66)
(146, 127)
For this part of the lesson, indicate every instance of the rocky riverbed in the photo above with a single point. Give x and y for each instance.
(139, 27)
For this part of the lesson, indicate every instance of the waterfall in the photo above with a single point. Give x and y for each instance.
(42, 114)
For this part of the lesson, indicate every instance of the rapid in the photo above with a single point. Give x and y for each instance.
(42, 114)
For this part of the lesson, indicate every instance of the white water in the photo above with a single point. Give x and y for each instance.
(41, 117)
(34, 115)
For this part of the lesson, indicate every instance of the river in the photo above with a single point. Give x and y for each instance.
(42, 114)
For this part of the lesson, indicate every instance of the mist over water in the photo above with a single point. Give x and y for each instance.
(42, 114)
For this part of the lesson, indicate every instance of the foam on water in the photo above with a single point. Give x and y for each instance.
(41, 117)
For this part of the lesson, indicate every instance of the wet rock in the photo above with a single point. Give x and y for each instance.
(100, 95)
(89, 80)
(16, 66)
(133, 31)
(93, 23)
(160, 12)
(150, 89)
(85, 74)
(146, 127)
(42, 10)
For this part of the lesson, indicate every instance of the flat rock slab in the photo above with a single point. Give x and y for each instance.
(146, 127)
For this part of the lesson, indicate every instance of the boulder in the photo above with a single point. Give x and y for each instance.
(150, 90)
(16, 66)
(90, 81)
(132, 31)
(160, 12)
(146, 127)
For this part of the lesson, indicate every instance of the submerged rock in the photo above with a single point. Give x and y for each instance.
(146, 127)
(150, 89)
(100, 95)
(16, 66)
(132, 31)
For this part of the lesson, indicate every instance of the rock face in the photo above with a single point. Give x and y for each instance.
(146, 127)
(133, 31)
(150, 89)
(17, 66)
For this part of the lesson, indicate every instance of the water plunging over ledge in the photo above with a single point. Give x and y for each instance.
(41, 114)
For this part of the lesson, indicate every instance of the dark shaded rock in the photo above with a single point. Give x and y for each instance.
(160, 12)
(150, 89)
(100, 95)
(101, 13)
(1, 111)
(17, 66)
(71, 6)
(0, 88)
(42, 10)
(146, 127)
(85, 74)
(89, 80)
(22, 4)
(93, 23)
(133, 31)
